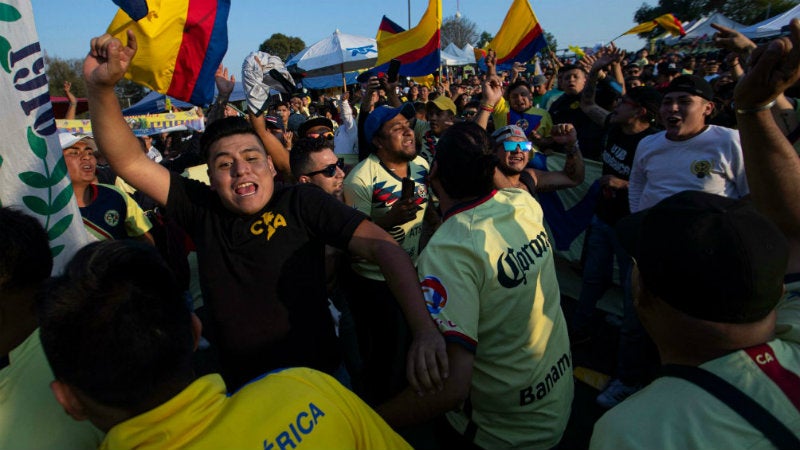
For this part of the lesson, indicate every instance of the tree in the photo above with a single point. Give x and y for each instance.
(552, 43)
(282, 46)
(749, 12)
(61, 70)
(484, 39)
(458, 30)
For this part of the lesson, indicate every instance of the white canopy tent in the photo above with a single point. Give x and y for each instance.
(771, 26)
(701, 28)
(454, 56)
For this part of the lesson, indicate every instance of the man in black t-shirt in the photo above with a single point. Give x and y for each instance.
(260, 247)
(632, 119)
(567, 109)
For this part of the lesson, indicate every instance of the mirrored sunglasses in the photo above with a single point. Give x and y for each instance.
(510, 146)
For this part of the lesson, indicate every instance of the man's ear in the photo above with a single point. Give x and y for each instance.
(303, 179)
(66, 397)
(709, 108)
(271, 166)
(197, 330)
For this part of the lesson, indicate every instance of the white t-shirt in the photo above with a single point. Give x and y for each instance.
(711, 162)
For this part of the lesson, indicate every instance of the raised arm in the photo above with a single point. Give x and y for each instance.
(72, 109)
(427, 364)
(225, 84)
(274, 147)
(573, 172)
(106, 63)
(588, 104)
(773, 168)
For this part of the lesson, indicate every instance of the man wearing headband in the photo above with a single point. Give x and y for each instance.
(514, 150)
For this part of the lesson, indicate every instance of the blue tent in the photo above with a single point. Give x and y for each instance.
(153, 103)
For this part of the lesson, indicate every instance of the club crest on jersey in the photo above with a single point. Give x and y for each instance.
(111, 217)
(701, 169)
(435, 294)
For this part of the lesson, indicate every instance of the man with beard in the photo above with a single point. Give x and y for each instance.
(513, 150)
(313, 161)
(374, 187)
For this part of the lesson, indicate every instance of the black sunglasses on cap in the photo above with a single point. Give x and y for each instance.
(328, 171)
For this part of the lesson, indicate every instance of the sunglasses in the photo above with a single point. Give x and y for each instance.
(510, 146)
(470, 113)
(326, 135)
(328, 171)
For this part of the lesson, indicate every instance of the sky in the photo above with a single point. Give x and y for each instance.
(65, 27)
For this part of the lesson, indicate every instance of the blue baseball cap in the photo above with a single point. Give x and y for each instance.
(383, 114)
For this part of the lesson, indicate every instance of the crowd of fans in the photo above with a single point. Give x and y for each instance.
(372, 270)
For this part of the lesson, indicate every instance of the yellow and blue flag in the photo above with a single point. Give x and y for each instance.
(181, 44)
(520, 36)
(418, 49)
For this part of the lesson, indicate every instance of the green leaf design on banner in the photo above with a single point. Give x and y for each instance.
(35, 180)
(55, 251)
(59, 172)
(36, 205)
(8, 13)
(5, 54)
(37, 144)
(62, 199)
(59, 227)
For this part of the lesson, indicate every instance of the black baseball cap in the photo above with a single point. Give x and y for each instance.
(314, 122)
(693, 85)
(647, 97)
(712, 257)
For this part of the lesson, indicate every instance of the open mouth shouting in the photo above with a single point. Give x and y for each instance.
(245, 189)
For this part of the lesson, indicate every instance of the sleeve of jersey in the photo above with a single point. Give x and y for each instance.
(358, 191)
(451, 287)
(136, 222)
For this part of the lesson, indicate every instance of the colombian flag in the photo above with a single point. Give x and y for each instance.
(418, 48)
(520, 36)
(387, 28)
(668, 21)
(181, 44)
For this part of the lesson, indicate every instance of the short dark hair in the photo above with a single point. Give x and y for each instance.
(116, 325)
(25, 257)
(300, 156)
(518, 83)
(223, 128)
(465, 161)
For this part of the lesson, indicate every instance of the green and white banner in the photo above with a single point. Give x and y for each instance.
(33, 176)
